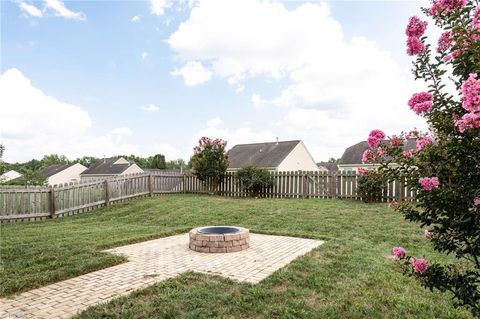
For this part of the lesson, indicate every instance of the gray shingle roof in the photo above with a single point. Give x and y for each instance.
(265, 155)
(54, 169)
(106, 167)
(354, 153)
(331, 167)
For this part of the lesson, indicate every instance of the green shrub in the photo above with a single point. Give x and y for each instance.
(254, 180)
(369, 186)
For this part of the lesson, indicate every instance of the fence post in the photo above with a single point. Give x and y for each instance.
(305, 185)
(150, 184)
(52, 203)
(107, 193)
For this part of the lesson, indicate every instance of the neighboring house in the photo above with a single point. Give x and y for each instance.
(352, 157)
(110, 167)
(59, 174)
(327, 167)
(275, 156)
(9, 176)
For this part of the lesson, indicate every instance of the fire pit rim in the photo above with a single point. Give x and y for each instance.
(229, 230)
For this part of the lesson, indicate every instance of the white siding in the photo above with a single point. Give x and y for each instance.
(299, 159)
(133, 169)
(68, 175)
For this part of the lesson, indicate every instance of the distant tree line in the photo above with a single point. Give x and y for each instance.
(31, 169)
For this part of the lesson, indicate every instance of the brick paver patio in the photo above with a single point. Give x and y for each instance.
(150, 262)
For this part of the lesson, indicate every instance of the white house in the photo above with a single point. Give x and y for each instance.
(110, 167)
(9, 175)
(274, 156)
(63, 173)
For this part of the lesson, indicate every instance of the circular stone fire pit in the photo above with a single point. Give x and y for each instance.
(219, 239)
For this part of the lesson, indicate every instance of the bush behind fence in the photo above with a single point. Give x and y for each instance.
(33, 203)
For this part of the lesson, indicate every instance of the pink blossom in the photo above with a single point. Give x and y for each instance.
(427, 234)
(468, 121)
(429, 183)
(374, 138)
(407, 154)
(413, 134)
(476, 18)
(448, 58)
(423, 142)
(446, 6)
(415, 46)
(471, 94)
(399, 252)
(381, 152)
(367, 156)
(362, 171)
(476, 201)
(444, 42)
(415, 27)
(396, 140)
(421, 102)
(419, 265)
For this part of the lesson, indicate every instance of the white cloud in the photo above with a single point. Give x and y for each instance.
(30, 10)
(215, 122)
(193, 73)
(241, 135)
(144, 55)
(60, 10)
(135, 19)
(336, 89)
(34, 124)
(122, 131)
(170, 152)
(157, 7)
(150, 108)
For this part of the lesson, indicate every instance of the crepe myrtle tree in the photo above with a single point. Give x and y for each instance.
(210, 161)
(444, 168)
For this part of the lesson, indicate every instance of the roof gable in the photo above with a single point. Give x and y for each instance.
(54, 169)
(266, 155)
(108, 166)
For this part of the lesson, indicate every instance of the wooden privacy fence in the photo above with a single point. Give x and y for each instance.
(302, 185)
(33, 203)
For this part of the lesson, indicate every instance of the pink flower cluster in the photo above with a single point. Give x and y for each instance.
(399, 252)
(208, 142)
(367, 156)
(362, 171)
(471, 94)
(429, 183)
(415, 46)
(375, 137)
(476, 18)
(423, 142)
(407, 154)
(471, 103)
(446, 6)
(421, 102)
(419, 265)
(396, 141)
(415, 27)
(468, 121)
(444, 42)
(476, 201)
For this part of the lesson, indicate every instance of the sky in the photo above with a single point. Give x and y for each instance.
(103, 78)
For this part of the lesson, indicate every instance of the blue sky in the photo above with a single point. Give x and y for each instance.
(111, 77)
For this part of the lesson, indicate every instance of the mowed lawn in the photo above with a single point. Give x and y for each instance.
(350, 276)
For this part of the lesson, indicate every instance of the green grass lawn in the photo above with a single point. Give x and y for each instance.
(350, 276)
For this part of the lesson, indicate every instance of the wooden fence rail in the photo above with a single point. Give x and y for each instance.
(33, 203)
